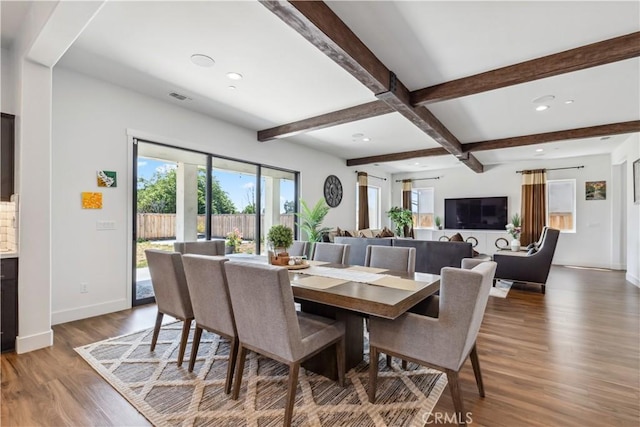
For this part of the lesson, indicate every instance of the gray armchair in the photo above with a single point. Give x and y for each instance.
(207, 247)
(268, 324)
(391, 258)
(529, 268)
(171, 292)
(443, 343)
(211, 306)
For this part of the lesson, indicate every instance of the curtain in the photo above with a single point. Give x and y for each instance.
(363, 201)
(534, 183)
(406, 204)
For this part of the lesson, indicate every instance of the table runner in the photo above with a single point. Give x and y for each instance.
(356, 275)
(318, 282)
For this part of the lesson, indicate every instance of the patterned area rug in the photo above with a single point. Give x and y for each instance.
(501, 289)
(171, 396)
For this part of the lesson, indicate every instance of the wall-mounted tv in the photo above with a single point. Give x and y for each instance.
(477, 213)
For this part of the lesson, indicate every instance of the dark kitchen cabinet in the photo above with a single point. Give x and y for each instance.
(9, 303)
(7, 156)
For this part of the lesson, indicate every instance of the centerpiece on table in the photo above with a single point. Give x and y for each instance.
(233, 241)
(514, 228)
(280, 237)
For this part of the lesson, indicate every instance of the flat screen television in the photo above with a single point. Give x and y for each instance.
(476, 213)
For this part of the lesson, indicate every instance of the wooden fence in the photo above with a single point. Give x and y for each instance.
(163, 226)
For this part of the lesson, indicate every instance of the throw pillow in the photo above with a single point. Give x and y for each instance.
(365, 233)
(386, 232)
(532, 251)
(345, 233)
(456, 238)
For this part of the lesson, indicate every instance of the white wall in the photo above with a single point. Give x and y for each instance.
(589, 246)
(630, 152)
(7, 82)
(91, 119)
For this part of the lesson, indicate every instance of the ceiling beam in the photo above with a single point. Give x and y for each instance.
(316, 22)
(518, 141)
(397, 156)
(563, 135)
(359, 112)
(591, 55)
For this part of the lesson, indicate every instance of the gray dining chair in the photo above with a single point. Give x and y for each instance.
(298, 248)
(391, 258)
(335, 253)
(206, 247)
(268, 324)
(443, 343)
(171, 293)
(211, 305)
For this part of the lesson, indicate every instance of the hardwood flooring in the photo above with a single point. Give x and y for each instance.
(567, 358)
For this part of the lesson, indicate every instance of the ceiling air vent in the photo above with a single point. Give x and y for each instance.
(178, 96)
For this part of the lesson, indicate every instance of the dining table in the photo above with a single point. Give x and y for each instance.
(350, 293)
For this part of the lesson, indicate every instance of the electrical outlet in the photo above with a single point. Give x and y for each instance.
(105, 225)
(84, 287)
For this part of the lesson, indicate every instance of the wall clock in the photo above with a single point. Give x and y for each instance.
(333, 191)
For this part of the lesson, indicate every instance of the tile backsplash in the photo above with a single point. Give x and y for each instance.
(8, 226)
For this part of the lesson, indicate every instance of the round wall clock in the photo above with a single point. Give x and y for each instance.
(333, 190)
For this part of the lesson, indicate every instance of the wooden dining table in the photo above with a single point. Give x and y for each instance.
(389, 295)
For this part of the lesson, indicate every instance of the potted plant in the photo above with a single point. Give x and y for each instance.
(310, 220)
(280, 237)
(401, 218)
(438, 222)
(234, 240)
(514, 228)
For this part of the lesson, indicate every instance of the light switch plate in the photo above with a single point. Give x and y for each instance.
(105, 225)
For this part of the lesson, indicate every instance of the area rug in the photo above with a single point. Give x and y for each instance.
(501, 289)
(168, 395)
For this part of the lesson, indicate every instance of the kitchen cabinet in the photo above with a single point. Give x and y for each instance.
(9, 301)
(7, 159)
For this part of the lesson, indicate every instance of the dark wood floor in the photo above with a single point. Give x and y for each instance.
(567, 358)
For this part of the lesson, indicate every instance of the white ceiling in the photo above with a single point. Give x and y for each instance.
(146, 46)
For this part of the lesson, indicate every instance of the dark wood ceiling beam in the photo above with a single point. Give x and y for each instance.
(563, 135)
(592, 55)
(352, 114)
(397, 156)
(316, 22)
(518, 141)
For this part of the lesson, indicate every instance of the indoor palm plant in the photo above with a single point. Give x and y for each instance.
(401, 218)
(310, 219)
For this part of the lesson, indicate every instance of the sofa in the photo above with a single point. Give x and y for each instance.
(431, 256)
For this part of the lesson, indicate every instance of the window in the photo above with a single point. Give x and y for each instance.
(422, 207)
(561, 204)
(373, 194)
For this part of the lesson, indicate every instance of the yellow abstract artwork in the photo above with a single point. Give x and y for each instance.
(91, 200)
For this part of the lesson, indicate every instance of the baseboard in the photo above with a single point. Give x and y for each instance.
(34, 342)
(618, 266)
(64, 316)
(634, 280)
(583, 264)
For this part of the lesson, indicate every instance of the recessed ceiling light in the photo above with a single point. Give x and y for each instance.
(366, 139)
(569, 101)
(417, 163)
(202, 60)
(542, 107)
(542, 99)
(604, 138)
(358, 135)
(234, 76)
(539, 150)
(231, 87)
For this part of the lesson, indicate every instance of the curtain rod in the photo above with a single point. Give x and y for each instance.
(373, 176)
(417, 179)
(556, 169)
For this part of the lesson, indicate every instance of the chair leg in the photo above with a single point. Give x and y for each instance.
(340, 358)
(373, 373)
(544, 289)
(454, 387)
(156, 330)
(389, 361)
(404, 365)
(186, 326)
(194, 347)
(231, 364)
(294, 368)
(476, 370)
(242, 356)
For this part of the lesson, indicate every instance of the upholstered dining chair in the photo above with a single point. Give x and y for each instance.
(206, 247)
(268, 324)
(298, 248)
(211, 305)
(334, 253)
(171, 292)
(443, 343)
(391, 258)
